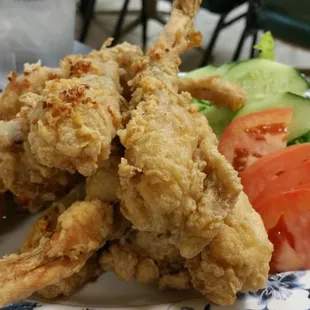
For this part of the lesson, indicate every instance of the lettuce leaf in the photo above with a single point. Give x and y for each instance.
(218, 118)
(266, 46)
(303, 139)
(202, 105)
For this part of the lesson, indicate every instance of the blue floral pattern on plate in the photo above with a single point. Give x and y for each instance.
(284, 291)
(27, 305)
(279, 287)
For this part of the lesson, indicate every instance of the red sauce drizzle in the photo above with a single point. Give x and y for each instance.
(258, 132)
(240, 159)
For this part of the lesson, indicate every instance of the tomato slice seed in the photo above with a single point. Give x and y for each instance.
(286, 181)
(287, 220)
(255, 135)
(256, 178)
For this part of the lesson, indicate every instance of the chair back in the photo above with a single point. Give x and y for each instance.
(297, 9)
(221, 6)
(288, 20)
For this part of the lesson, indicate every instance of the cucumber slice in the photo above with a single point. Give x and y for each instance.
(223, 69)
(218, 118)
(301, 106)
(208, 70)
(263, 77)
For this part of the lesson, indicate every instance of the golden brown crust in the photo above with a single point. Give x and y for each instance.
(190, 224)
(148, 258)
(236, 260)
(81, 230)
(46, 224)
(75, 120)
(68, 286)
(32, 80)
(214, 89)
(32, 183)
(173, 179)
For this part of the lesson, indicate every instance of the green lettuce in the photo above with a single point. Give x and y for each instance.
(218, 118)
(266, 46)
(303, 139)
(202, 105)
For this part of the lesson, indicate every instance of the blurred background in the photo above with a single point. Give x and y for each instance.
(225, 24)
(46, 29)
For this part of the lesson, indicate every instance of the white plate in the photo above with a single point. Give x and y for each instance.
(286, 291)
(289, 291)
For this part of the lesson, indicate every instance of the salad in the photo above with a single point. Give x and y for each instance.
(267, 142)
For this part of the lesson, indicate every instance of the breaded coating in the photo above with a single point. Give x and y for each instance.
(49, 273)
(126, 54)
(147, 257)
(213, 88)
(43, 228)
(47, 222)
(97, 187)
(67, 287)
(80, 231)
(31, 183)
(173, 179)
(130, 61)
(104, 183)
(237, 259)
(153, 199)
(32, 80)
(75, 120)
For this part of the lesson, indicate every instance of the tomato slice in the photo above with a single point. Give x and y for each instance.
(255, 135)
(258, 176)
(305, 185)
(287, 220)
(288, 180)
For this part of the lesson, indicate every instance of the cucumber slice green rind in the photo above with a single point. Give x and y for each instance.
(218, 118)
(210, 70)
(300, 124)
(263, 77)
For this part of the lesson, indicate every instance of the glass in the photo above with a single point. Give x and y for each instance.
(33, 30)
